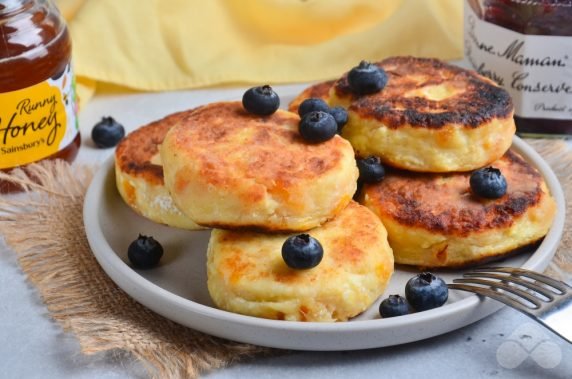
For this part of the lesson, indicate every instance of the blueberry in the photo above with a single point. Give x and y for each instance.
(357, 193)
(312, 104)
(488, 182)
(107, 132)
(340, 115)
(366, 78)
(394, 305)
(318, 126)
(426, 291)
(262, 101)
(370, 169)
(144, 252)
(302, 251)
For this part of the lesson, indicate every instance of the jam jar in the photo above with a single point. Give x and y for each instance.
(526, 46)
(37, 86)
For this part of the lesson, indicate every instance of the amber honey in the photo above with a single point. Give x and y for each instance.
(37, 86)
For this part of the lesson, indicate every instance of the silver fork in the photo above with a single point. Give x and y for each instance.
(544, 299)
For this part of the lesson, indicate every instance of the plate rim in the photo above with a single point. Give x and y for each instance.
(147, 292)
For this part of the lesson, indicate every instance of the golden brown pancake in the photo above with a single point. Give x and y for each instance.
(319, 90)
(247, 275)
(434, 220)
(227, 168)
(139, 173)
(430, 117)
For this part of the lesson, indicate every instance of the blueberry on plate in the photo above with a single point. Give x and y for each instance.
(318, 126)
(394, 305)
(488, 182)
(312, 104)
(107, 132)
(367, 78)
(426, 291)
(340, 115)
(262, 101)
(370, 169)
(144, 252)
(302, 251)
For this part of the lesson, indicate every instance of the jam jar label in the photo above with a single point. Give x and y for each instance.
(38, 121)
(536, 70)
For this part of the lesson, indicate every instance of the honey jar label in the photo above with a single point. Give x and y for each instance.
(536, 70)
(37, 121)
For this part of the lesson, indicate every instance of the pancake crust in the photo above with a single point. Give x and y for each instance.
(319, 90)
(227, 168)
(430, 117)
(139, 174)
(433, 220)
(247, 275)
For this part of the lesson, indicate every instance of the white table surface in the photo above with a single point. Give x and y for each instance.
(33, 346)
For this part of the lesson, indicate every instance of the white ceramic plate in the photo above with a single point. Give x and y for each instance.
(177, 288)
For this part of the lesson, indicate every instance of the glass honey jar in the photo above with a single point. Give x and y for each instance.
(38, 112)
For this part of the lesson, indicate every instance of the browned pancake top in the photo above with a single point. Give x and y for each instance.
(228, 144)
(319, 90)
(444, 202)
(134, 153)
(349, 240)
(474, 100)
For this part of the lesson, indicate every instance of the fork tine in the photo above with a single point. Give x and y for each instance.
(560, 286)
(514, 279)
(493, 295)
(498, 285)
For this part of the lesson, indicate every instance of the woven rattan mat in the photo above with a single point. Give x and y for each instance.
(45, 230)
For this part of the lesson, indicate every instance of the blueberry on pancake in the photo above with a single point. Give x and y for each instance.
(435, 220)
(228, 168)
(317, 91)
(429, 117)
(247, 273)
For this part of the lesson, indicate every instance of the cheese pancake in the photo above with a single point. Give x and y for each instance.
(227, 168)
(430, 117)
(319, 90)
(434, 220)
(247, 275)
(139, 174)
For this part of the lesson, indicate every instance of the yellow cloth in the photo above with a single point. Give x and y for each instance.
(176, 44)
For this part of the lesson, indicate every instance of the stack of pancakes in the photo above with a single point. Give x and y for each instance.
(433, 125)
(257, 182)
